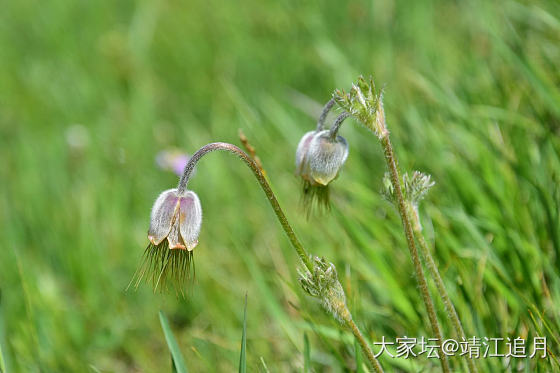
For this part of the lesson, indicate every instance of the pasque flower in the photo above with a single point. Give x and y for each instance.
(177, 218)
(173, 234)
(326, 155)
(319, 157)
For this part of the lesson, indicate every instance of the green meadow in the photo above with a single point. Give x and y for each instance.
(92, 91)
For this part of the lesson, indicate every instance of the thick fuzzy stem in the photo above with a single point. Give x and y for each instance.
(363, 343)
(432, 267)
(222, 146)
(422, 283)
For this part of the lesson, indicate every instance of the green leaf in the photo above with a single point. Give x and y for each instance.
(243, 357)
(177, 360)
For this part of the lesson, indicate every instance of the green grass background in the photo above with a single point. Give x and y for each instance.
(472, 97)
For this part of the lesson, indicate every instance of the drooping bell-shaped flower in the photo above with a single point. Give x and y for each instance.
(174, 228)
(319, 157)
(176, 218)
(326, 155)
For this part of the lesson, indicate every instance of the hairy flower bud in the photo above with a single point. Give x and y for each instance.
(323, 283)
(417, 186)
(414, 188)
(364, 103)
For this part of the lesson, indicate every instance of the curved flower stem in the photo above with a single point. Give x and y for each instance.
(422, 283)
(432, 267)
(328, 106)
(363, 343)
(336, 125)
(263, 183)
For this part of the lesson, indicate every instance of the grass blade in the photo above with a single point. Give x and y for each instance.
(2, 367)
(358, 353)
(176, 356)
(2, 363)
(306, 354)
(243, 357)
(264, 367)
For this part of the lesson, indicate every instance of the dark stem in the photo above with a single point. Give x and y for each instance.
(183, 182)
(336, 125)
(328, 106)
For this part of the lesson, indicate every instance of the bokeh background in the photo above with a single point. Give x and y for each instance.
(90, 92)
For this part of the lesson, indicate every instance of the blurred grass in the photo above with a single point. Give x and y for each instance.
(178, 364)
(243, 354)
(91, 91)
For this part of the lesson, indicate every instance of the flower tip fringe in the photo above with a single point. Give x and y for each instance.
(315, 197)
(165, 267)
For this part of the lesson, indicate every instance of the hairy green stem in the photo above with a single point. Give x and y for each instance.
(222, 146)
(432, 267)
(422, 283)
(347, 318)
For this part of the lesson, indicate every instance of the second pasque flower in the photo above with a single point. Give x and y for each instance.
(320, 156)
